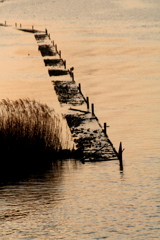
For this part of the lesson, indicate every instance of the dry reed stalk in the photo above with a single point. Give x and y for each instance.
(30, 123)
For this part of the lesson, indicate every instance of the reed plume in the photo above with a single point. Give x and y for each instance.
(29, 132)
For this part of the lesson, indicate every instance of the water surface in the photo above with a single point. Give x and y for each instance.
(114, 47)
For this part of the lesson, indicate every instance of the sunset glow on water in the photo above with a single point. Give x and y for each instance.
(114, 47)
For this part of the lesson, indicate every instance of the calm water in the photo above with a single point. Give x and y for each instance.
(115, 49)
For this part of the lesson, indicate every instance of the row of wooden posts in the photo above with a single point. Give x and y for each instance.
(92, 110)
(86, 99)
(120, 151)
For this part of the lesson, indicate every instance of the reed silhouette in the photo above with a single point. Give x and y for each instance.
(31, 137)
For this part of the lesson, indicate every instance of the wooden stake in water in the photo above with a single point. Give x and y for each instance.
(92, 107)
(79, 87)
(72, 75)
(64, 63)
(120, 156)
(105, 128)
(87, 101)
(56, 48)
(60, 53)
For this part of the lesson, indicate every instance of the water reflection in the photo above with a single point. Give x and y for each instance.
(75, 201)
(31, 195)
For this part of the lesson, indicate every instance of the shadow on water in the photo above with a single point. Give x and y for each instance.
(45, 170)
(22, 169)
(29, 194)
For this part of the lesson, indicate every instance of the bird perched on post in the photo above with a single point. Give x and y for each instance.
(71, 69)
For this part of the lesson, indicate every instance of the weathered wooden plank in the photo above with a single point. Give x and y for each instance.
(47, 50)
(54, 62)
(88, 134)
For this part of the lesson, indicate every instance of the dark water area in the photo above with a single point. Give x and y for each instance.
(114, 47)
(75, 201)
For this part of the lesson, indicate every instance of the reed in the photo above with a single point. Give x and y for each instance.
(31, 134)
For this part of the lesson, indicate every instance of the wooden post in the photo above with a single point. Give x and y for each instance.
(20, 25)
(49, 36)
(15, 24)
(92, 106)
(53, 43)
(46, 31)
(64, 62)
(32, 27)
(60, 53)
(87, 101)
(56, 48)
(72, 75)
(5, 23)
(79, 87)
(105, 128)
(120, 156)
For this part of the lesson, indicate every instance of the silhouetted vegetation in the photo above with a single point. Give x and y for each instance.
(30, 137)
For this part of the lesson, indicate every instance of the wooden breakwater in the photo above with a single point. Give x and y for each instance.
(89, 135)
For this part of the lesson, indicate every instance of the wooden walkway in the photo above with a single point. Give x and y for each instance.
(87, 132)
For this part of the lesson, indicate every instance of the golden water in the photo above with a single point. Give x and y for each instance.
(114, 47)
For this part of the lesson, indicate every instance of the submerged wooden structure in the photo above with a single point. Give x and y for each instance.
(89, 135)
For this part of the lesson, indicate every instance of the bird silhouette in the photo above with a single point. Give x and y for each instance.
(71, 69)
